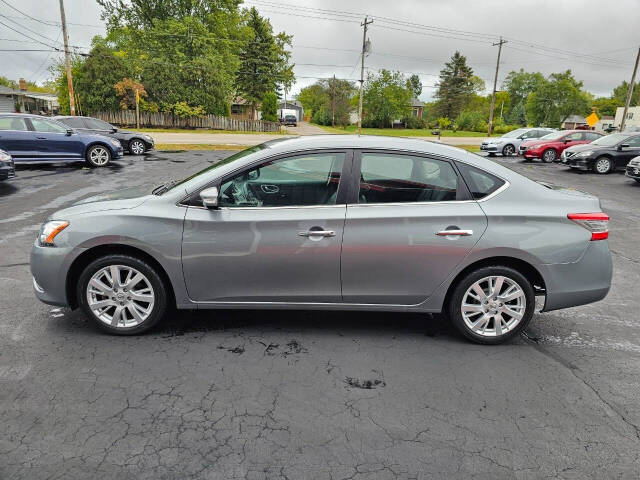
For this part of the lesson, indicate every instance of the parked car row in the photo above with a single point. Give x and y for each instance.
(36, 139)
(579, 149)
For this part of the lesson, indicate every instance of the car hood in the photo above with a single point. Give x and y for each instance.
(118, 200)
(583, 147)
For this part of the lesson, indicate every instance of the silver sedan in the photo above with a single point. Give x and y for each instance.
(331, 222)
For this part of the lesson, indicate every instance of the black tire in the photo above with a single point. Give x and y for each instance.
(137, 146)
(549, 155)
(158, 310)
(454, 308)
(98, 156)
(637, 180)
(508, 150)
(603, 165)
(491, 154)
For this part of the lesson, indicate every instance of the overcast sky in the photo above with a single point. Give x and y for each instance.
(606, 35)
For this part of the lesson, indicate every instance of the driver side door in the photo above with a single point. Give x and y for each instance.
(276, 235)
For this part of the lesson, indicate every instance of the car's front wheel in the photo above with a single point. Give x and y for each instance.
(136, 147)
(508, 150)
(549, 155)
(492, 304)
(122, 295)
(98, 156)
(603, 165)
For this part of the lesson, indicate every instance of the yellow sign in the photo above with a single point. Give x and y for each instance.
(592, 119)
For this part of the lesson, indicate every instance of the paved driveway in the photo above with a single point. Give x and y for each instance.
(328, 395)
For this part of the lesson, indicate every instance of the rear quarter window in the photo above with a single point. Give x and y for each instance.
(480, 183)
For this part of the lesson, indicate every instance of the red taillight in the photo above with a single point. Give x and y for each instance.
(597, 223)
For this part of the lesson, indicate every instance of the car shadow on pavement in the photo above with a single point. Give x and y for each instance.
(7, 188)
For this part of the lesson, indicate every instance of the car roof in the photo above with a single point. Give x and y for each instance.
(22, 115)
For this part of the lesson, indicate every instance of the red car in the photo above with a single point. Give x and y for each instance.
(549, 147)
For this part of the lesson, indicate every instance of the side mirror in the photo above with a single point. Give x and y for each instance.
(566, 140)
(69, 132)
(209, 197)
(624, 145)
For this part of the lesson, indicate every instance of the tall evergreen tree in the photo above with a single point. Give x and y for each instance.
(456, 86)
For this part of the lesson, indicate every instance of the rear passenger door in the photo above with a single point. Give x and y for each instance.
(17, 139)
(410, 222)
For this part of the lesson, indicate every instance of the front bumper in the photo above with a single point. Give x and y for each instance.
(578, 163)
(633, 171)
(7, 170)
(586, 281)
(118, 152)
(489, 148)
(49, 268)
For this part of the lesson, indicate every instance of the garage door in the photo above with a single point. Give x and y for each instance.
(6, 104)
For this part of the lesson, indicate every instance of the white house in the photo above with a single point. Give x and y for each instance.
(27, 102)
(633, 117)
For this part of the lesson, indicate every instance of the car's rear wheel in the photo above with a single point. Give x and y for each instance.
(508, 150)
(637, 180)
(603, 165)
(136, 147)
(549, 155)
(492, 304)
(98, 156)
(122, 295)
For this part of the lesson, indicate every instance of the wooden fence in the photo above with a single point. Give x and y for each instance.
(169, 120)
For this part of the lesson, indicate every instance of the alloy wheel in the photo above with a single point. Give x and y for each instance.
(508, 150)
(120, 296)
(549, 156)
(136, 147)
(99, 156)
(603, 165)
(493, 306)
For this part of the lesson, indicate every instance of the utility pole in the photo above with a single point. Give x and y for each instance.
(630, 92)
(364, 49)
(137, 109)
(63, 19)
(495, 83)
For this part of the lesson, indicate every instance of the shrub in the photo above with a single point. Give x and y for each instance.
(321, 116)
(183, 110)
(444, 123)
(471, 121)
(414, 122)
(270, 107)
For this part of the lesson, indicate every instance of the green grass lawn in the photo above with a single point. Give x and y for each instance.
(404, 132)
(187, 130)
(177, 147)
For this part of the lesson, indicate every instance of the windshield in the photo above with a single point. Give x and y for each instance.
(610, 140)
(243, 153)
(554, 135)
(514, 133)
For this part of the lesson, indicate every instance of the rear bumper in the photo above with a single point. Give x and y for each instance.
(586, 281)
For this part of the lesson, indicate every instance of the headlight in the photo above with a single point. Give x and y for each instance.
(49, 231)
(584, 154)
(4, 156)
(115, 142)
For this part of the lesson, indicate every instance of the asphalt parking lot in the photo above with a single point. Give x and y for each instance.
(250, 394)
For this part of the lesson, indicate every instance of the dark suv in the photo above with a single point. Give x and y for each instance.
(290, 120)
(135, 143)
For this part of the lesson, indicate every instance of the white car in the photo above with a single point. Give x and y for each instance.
(508, 143)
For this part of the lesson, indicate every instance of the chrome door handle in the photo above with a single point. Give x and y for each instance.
(318, 233)
(41, 138)
(459, 233)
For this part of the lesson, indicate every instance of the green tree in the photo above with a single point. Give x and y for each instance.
(456, 86)
(270, 107)
(6, 82)
(519, 85)
(339, 93)
(264, 61)
(313, 98)
(558, 97)
(60, 85)
(605, 106)
(386, 98)
(621, 91)
(415, 84)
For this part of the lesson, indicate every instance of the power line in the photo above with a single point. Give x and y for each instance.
(24, 14)
(29, 37)
(27, 29)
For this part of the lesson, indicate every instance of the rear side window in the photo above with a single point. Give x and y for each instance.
(393, 178)
(12, 123)
(480, 183)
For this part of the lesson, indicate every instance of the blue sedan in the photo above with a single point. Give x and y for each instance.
(36, 139)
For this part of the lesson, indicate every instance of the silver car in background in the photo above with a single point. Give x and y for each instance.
(509, 143)
(331, 222)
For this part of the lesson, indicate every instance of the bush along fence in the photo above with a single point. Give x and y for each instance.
(169, 120)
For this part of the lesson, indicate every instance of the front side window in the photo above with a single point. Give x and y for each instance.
(73, 122)
(43, 125)
(480, 183)
(634, 142)
(573, 137)
(394, 178)
(531, 134)
(303, 180)
(13, 123)
(96, 124)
